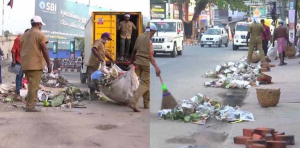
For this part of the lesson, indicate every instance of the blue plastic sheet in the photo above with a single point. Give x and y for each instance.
(97, 75)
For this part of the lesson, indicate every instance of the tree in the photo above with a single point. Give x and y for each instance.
(79, 43)
(7, 33)
(235, 5)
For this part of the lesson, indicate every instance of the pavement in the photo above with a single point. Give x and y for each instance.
(183, 77)
(100, 124)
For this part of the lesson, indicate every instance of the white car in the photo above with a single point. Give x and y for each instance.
(241, 31)
(214, 36)
(169, 37)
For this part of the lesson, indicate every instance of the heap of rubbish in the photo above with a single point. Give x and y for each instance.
(234, 75)
(54, 80)
(69, 97)
(108, 75)
(199, 108)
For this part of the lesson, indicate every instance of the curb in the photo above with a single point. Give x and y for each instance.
(191, 44)
(70, 70)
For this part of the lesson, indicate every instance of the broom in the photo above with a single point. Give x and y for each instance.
(168, 101)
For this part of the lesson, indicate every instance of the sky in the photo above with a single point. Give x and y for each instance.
(16, 20)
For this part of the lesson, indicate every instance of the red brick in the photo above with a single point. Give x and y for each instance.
(248, 132)
(269, 137)
(264, 70)
(250, 142)
(289, 139)
(258, 146)
(263, 131)
(256, 137)
(282, 133)
(241, 139)
(272, 65)
(276, 144)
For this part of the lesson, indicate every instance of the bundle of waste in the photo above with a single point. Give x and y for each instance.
(199, 108)
(234, 75)
(54, 80)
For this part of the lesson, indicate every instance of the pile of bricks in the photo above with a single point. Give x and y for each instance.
(265, 67)
(264, 138)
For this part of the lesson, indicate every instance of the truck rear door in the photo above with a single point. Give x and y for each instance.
(106, 22)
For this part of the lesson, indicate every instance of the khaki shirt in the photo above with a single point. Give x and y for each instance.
(126, 29)
(142, 46)
(256, 30)
(93, 61)
(31, 52)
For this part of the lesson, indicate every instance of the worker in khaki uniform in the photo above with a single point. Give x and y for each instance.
(126, 28)
(97, 57)
(34, 53)
(255, 31)
(141, 57)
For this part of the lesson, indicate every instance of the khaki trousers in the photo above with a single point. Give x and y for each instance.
(259, 46)
(143, 72)
(34, 77)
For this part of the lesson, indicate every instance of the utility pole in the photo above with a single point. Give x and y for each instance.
(169, 9)
(3, 20)
(296, 19)
(180, 9)
(210, 14)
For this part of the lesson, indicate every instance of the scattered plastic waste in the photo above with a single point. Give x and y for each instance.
(199, 108)
(234, 75)
(54, 80)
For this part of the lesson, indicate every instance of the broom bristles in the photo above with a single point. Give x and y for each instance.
(168, 101)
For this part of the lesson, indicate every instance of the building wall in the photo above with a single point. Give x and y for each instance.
(6, 45)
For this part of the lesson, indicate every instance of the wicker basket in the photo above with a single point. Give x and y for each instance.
(255, 58)
(268, 97)
(290, 51)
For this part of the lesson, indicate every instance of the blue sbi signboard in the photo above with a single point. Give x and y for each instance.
(64, 20)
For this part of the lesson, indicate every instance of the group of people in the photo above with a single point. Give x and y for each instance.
(141, 57)
(30, 53)
(260, 35)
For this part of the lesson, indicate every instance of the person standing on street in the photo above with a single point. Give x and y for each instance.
(126, 28)
(97, 57)
(298, 40)
(273, 14)
(34, 53)
(266, 39)
(1, 58)
(141, 57)
(254, 33)
(16, 60)
(281, 35)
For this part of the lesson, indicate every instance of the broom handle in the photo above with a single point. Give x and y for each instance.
(161, 79)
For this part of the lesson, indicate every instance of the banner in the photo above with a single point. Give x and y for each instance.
(158, 10)
(64, 20)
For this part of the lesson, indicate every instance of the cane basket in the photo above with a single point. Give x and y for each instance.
(290, 51)
(255, 58)
(268, 97)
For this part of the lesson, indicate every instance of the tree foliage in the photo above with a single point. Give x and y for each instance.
(79, 43)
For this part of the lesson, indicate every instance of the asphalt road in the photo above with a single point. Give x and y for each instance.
(183, 77)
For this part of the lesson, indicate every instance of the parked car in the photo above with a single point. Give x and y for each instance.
(215, 36)
(240, 34)
(169, 37)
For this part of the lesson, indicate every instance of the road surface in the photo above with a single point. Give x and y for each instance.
(183, 77)
(101, 124)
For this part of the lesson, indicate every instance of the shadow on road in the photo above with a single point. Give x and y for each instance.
(234, 97)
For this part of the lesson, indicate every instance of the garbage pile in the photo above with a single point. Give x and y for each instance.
(116, 84)
(54, 80)
(199, 108)
(108, 75)
(67, 98)
(234, 75)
